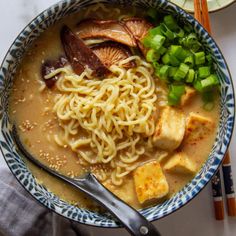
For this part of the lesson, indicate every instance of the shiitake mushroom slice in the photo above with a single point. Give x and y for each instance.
(138, 27)
(111, 53)
(49, 66)
(111, 29)
(79, 55)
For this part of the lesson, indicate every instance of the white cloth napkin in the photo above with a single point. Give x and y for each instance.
(21, 215)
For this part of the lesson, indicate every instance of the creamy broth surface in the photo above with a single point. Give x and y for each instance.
(31, 110)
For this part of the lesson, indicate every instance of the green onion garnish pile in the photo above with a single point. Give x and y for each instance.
(179, 59)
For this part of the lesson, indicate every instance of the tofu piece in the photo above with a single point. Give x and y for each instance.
(180, 163)
(150, 182)
(187, 97)
(170, 129)
(197, 128)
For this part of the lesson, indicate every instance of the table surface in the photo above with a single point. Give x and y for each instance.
(197, 218)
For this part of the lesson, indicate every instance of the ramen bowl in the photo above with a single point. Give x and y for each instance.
(51, 201)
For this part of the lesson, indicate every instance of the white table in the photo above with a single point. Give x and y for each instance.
(197, 218)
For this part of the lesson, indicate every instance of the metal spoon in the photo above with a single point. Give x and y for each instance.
(132, 220)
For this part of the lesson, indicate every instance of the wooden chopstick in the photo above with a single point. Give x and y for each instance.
(202, 15)
(205, 16)
(197, 11)
(217, 196)
(229, 185)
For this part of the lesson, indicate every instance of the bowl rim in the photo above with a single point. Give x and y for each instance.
(185, 202)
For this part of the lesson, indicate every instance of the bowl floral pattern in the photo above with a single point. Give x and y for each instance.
(50, 200)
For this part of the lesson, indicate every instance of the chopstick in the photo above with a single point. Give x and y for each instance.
(201, 14)
(205, 16)
(217, 196)
(229, 185)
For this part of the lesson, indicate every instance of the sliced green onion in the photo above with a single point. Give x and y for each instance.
(173, 99)
(170, 22)
(181, 72)
(147, 40)
(199, 58)
(166, 59)
(156, 65)
(179, 58)
(162, 50)
(180, 33)
(157, 41)
(209, 59)
(174, 61)
(189, 61)
(155, 31)
(172, 71)
(209, 82)
(191, 42)
(175, 93)
(152, 55)
(178, 52)
(163, 72)
(167, 32)
(190, 76)
(197, 85)
(204, 71)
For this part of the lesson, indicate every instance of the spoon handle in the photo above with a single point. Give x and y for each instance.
(132, 220)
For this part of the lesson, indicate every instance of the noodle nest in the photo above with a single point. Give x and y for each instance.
(107, 122)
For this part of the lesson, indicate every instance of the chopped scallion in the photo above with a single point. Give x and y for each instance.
(174, 61)
(198, 86)
(178, 52)
(167, 32)
(181, 72)
(152, 55)
(155, 31)
(189, 61)
(190, 76)
(157, 41)
(209, 82)
(170, 22)
(166, 59)
(199, 58)
(164, 72)
(204, 71)
(172, 71)
(175, 93)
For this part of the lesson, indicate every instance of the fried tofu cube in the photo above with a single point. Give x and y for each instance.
(150, 182)
(187, 97)
(198, 127)
(170, 129)
(180, 163)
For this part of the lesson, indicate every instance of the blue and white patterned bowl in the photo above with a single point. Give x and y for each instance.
(51, 201)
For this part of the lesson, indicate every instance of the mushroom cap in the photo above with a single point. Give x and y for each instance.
(111, 29)
(111, 53)
(138, 27)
